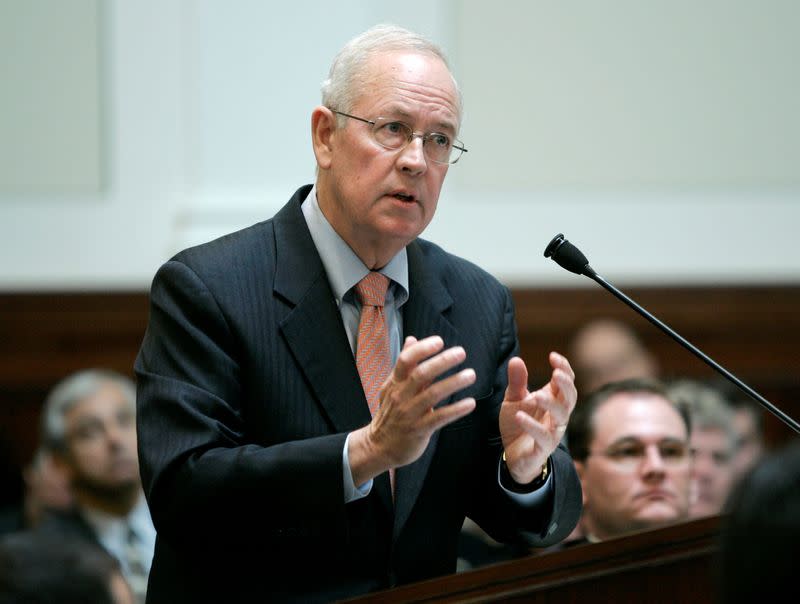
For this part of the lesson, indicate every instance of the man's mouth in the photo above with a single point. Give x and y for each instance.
(656, 494)
(404, 197)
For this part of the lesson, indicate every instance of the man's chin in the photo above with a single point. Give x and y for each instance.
(704, 509)
(128, 482)
(122, 472)
(658, 515)
(113, 487)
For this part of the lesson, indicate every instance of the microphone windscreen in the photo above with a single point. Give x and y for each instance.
(567, 255)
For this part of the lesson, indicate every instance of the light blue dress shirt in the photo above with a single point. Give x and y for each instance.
(344, 270)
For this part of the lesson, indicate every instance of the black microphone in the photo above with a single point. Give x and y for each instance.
(571, 258)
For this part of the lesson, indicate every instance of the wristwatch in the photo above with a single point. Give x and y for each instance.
(512, 485)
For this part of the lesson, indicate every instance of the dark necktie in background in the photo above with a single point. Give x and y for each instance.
(136, 569)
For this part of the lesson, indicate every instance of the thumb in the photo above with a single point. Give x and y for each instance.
(517, 380)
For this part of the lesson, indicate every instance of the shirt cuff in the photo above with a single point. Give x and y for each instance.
(533, 498)
(351, 491)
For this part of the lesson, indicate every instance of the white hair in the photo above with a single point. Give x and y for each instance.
(72, 390)
(708, 407)
(344, 83)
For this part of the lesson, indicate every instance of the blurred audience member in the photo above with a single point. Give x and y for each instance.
(630, 445)
(712, 442)
(760, 532)
(45, 487)
(608, 350)
(89, 424)
(36, 568)
(748, 424)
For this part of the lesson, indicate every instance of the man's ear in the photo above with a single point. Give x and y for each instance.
(323, 125)
(581, 470)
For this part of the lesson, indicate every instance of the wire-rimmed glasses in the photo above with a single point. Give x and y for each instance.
(394, 135)
(630, 454)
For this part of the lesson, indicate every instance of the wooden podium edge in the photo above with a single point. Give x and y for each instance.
(578, 564)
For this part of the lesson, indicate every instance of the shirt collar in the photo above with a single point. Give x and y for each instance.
(343, 267)
(109, 525)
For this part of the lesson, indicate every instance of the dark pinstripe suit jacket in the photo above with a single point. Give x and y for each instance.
(247, 388)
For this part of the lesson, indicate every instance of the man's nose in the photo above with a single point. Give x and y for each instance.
(412, 157)
(116, 433)
(653, 461)
(702, 464)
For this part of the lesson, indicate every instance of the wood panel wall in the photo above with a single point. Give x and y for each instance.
(46, 336)
(752, 331)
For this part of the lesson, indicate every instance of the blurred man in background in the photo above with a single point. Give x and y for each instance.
(89, 423)
(712, 442)
(608, 350)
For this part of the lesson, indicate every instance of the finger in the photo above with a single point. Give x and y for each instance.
(439, 418)
(562, 384)
(530, 404)
(540, 433)
(430, 369)
(558, 397)
(409, 341)
(558, 410)
(440, 390)
(517, 388)
(558, 361)
(414, 351)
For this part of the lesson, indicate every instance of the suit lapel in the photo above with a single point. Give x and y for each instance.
(422, 316)
(314, 331)
(313, 328)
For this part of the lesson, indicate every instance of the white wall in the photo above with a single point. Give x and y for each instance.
(662, 137)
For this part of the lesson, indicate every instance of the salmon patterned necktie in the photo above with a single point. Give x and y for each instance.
(373, 355)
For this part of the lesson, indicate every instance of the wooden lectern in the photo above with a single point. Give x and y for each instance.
(670, 564)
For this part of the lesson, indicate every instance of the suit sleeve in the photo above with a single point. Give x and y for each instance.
(549, 521)
(203, 477)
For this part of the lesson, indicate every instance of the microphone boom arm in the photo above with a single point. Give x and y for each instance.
(571, 258)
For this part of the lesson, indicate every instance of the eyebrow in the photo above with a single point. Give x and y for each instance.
(88, 421)
(627, 440)
(407, 117)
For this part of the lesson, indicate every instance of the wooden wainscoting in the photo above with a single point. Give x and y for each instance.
(46, 336)
(752, 331)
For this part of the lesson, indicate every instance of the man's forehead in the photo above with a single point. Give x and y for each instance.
(711, 436)
(641, 413)
(407, 81)
(107, 398)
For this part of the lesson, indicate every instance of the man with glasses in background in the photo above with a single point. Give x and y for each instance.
(323, 397)
(630, 443)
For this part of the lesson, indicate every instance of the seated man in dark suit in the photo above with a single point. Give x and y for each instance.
(36, 568)
(329, 388)
(89, 424)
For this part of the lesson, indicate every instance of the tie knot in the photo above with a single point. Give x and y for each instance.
(371, 290)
